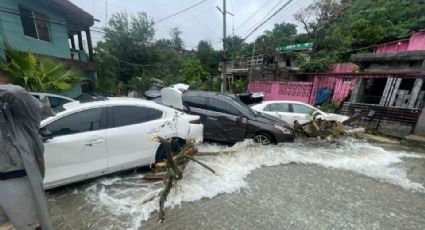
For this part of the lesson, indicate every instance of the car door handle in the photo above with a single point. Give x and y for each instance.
(212, 118)
(94, 142)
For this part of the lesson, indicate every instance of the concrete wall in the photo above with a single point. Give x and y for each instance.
(420, 125)
(275, 90)
(11, 30)
(394, 129)
(305, 91)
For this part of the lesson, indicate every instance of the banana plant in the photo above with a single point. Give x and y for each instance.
(38, 74)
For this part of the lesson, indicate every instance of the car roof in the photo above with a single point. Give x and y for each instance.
(76, 105)
(207, 94)
(284, 101)
(52, 95)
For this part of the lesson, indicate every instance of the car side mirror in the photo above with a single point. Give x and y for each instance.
(45, 134)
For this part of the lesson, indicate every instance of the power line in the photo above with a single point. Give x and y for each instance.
(98, 30)
(271, 16)
(252, 15)
(181, 11)
(264, 17)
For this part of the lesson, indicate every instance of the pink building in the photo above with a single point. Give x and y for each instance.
(415, 42)
(306, 91)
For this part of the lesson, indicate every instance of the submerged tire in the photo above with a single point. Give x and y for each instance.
(263, 138)
(176, 145)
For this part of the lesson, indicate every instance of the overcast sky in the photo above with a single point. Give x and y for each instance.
(201, 22)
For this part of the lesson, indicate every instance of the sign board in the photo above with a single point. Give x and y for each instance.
(301, 46)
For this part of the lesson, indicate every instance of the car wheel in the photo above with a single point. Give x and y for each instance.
(263, 138)
(176, 145)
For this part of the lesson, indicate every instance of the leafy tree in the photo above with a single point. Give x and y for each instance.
(38, 74)
(234, 46)
(209, 57)
(176, 41)
(129, 51)
(281, 34)
(193, 73)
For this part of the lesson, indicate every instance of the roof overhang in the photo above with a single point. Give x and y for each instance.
(76, 18)
(414, 55)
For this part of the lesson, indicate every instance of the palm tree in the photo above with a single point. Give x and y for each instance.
(38, 74)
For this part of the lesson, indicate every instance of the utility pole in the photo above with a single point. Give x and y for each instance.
(224, 61)
(106, 13)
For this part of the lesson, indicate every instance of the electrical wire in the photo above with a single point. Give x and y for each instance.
(271, 16)
(181, 11)
(252, 15)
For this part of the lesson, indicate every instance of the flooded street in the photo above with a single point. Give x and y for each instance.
(342, 184)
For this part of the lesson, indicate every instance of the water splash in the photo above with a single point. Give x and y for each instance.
(124, 196)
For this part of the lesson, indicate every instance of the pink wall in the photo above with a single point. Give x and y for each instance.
(344, 68)
(305, 91)
(280, 90)
(393, 47)
(415, 42)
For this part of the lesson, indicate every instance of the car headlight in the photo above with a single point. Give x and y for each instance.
(281, 129)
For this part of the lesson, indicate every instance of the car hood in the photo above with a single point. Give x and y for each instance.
(336, 117)
(265, 118)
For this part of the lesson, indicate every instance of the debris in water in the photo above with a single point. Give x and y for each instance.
(323, 129)
(174, 164)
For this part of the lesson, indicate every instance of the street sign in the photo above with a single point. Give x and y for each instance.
(301, 46)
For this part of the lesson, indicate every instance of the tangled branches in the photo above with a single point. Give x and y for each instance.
(174, 165)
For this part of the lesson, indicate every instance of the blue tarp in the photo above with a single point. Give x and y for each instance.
(322, 95)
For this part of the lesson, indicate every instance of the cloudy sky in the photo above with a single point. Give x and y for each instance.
(201, 22)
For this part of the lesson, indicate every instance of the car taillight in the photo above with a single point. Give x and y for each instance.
(197, 121)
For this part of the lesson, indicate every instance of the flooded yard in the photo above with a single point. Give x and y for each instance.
(341, 184)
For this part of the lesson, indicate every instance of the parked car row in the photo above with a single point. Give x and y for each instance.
(106, 135)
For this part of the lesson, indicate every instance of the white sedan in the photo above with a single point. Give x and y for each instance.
(95, 138)
(290, 111)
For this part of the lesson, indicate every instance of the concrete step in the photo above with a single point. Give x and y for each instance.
(415, 140)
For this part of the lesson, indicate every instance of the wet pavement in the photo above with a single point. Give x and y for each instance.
(343, 184)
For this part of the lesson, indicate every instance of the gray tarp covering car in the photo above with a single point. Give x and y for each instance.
(19, 122)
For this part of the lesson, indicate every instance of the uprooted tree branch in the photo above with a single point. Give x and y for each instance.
(174, 165)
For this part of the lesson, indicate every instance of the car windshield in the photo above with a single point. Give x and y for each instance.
(243, 108)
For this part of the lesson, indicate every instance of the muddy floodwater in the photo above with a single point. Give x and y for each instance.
(310, 184)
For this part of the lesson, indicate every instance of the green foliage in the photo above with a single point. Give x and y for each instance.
(341, 26)
(193, 73)
(216, 84)
(240, 85)
(129, 51)
(281, 34)
(315, 64)
(209, 57)
(328, 107)
(139, 84)
(365, 33)
(38, 74)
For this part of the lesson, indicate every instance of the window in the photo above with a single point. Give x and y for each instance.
(277, 107)
(35, 24)
(222, 107)
(82, 121)
(197, 102)
(302, 109)
(130, 115)
(56, 102)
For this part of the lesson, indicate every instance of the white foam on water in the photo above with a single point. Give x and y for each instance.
(350, 154)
